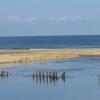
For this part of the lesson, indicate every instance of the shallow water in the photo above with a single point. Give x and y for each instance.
(82, 81)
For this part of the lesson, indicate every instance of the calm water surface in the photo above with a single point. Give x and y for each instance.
(82, 81)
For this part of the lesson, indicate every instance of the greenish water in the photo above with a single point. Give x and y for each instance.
(81, 82)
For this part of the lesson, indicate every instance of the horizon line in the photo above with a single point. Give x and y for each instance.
(48, 35)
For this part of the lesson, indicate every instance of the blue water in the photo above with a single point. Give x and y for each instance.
(85, 41)
(82, 81)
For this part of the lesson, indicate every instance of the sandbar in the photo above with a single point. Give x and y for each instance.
(38, 55)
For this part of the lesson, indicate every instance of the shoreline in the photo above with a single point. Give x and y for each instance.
(38, 55)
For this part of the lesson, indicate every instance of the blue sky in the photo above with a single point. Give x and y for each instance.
(49, 17)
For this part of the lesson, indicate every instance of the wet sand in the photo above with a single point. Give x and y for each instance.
(38, 55)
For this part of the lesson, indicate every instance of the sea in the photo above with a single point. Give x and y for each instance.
(50, 42)
(68, 79)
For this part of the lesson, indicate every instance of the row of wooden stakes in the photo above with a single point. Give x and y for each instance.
(41, 76)
(48, 77)
(45, 74)
(4, 74)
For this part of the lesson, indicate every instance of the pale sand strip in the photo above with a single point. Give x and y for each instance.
(33, 55)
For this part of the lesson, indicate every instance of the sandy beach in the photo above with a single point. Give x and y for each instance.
(37, 55)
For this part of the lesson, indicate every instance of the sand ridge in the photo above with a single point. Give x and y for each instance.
(33, 55)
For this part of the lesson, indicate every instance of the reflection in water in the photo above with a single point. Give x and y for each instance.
(42, 77)
(4, 74)
(47, 77)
